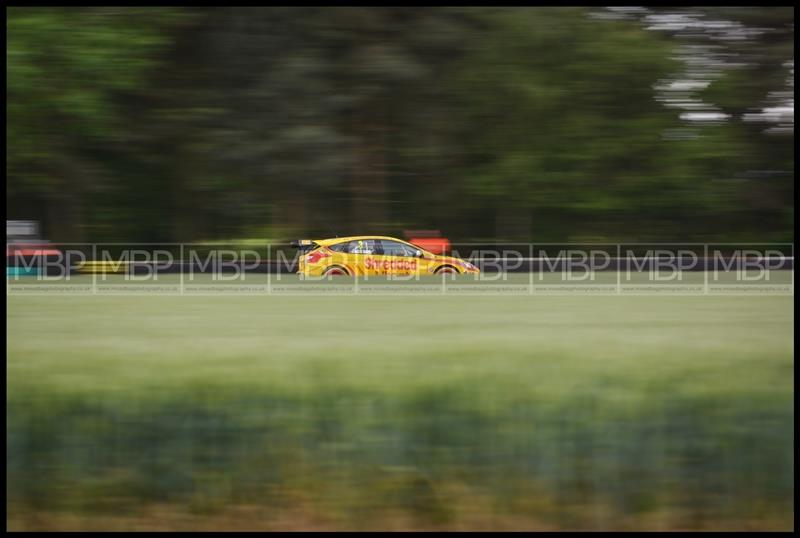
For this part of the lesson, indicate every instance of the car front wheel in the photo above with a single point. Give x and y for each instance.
(446, 270)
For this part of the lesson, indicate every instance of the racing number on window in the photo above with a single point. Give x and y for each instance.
(362, 246)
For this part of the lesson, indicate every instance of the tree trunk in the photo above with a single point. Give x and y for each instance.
(368, 182)
(183, 229)
(65, 219)
(513, 224)
(289, 215)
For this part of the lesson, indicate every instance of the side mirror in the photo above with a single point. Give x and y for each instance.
(418, 253)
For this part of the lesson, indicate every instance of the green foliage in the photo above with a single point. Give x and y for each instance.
(66, 69)
(179, 124)
(69, 73)
(590, 412)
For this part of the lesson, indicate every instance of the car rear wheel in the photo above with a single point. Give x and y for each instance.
(335, 271)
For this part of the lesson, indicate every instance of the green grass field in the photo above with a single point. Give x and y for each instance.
(400, 412)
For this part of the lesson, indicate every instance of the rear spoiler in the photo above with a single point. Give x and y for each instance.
(304, 244)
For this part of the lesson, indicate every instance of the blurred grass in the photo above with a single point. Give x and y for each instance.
(635, 282)
(440, 412)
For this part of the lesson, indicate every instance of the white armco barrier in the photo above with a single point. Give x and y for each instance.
(21, 229)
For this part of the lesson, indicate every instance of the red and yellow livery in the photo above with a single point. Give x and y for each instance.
(373, 255)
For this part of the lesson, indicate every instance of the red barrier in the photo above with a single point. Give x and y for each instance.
(434, 245)
(30, 250)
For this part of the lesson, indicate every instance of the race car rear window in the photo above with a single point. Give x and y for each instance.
(340, 247)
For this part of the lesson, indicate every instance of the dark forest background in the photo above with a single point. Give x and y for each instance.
(545, 124)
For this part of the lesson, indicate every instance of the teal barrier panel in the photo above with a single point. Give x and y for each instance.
(23, 271)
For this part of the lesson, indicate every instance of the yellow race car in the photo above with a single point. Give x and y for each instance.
(372, 255)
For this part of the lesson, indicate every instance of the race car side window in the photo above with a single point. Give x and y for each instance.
(362, 246)
(393, 248)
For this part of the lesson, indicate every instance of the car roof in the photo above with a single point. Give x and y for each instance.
(335, 240)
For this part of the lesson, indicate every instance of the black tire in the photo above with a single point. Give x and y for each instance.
(446, 269)
(336, 271)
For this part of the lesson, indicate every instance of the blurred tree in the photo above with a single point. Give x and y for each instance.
(743, 60)
(516, 124)
(67, 70)
(558, 139)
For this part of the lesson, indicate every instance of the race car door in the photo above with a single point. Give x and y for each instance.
(364, 254)
(399, 259)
